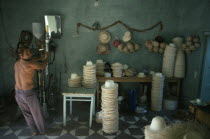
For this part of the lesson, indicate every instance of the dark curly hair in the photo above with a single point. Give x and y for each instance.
(21, 48)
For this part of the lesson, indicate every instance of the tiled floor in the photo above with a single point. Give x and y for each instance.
(131, 126)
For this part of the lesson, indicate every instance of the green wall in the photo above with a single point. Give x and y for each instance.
(179, 17)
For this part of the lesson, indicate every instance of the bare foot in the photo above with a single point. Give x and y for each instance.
(35, 133)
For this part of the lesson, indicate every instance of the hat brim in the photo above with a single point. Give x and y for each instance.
(151, 130)
(104, 41)
(98, 49)
(126, 39)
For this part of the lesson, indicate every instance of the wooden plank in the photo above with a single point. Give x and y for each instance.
(79, 91)
(125, 79)
(134, 79)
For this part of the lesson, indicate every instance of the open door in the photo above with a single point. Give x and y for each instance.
(205, 84)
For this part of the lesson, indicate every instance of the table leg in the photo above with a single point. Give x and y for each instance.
(97, 93)
(178, 88)
(94, 105)
(91, 112)
(64, 110)
(70, 105)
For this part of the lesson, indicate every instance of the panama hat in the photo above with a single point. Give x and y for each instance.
(74, 76)
(192, 135)
(103, 49)
(157, 124)
(104, 37)
(127, 36)
(109, 84)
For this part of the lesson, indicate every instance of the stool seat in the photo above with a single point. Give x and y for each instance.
(80, 91)
(79, 94)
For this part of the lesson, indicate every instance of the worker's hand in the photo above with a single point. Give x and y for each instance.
(46, 55)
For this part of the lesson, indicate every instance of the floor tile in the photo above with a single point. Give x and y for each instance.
(124, 136)
(135, 131)
(77, 126)
(10, 136)
(3, 131)
(54, 131)
(25, 132)
(67, 136)
(82, 131)
(96, 136)
(38, 137)
(70, 125)
(123, 125)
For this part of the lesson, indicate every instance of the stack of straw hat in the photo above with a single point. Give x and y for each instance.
(109, 105)
(153, 131)
(100, 66)
(75, 80)
(89, 75)
(179, 70)
(157, 92)
(117, 69)
(169, 60)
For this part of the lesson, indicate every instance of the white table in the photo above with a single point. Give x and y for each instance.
(79, 94)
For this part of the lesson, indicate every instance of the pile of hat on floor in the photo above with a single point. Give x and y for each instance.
(109, 106)
(75, 80)
(89, 75)
(159, 130)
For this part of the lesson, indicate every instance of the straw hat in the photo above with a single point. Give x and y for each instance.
(158, 123)
(103, 49)
(177, 40)
(109, 84)
(74, 76)
(104, 37)
(89, 63)
(192, 135)
(127, 36)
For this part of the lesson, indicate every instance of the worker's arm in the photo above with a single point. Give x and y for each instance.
(42, 57)
(35, 64)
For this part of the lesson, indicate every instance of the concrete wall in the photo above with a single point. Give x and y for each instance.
(180, 18)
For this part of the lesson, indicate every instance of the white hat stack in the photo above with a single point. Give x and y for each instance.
(75, 80)
(109, 106)
(179, 70)
(117, 69)
(169, 60)
(157, 92)
(89, 75)
(100, 66)
(153, 131)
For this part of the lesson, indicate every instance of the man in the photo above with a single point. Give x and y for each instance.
(25, 94)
